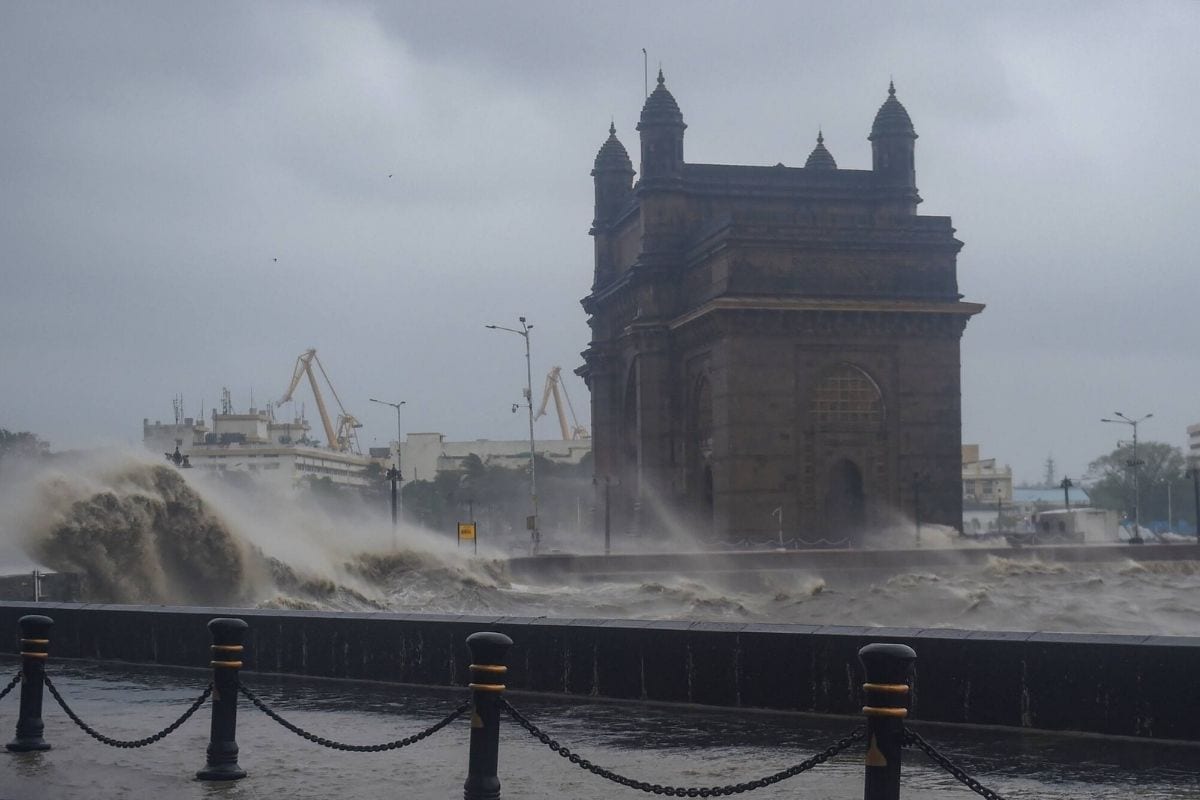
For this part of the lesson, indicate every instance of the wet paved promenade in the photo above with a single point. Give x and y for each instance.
(679, 746)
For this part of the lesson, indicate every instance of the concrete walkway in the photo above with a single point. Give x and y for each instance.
(682, 746)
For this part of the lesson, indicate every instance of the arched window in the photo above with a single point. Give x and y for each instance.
(846, 397)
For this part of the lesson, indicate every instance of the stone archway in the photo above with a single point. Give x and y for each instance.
(846, 451)
(845, 502)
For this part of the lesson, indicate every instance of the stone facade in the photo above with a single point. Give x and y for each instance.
(770, 338)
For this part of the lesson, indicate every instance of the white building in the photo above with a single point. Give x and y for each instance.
(1193, 451)
(255, 442)
(297, 461)
(423, 455)
(164, 438)
(984, 483)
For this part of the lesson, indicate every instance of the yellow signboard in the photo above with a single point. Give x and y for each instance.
(466, 531)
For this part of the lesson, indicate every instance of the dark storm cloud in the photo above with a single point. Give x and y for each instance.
(194, 194)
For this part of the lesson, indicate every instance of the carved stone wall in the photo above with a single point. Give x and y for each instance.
(732, 306)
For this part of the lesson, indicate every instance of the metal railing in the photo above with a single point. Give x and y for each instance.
(887, 669)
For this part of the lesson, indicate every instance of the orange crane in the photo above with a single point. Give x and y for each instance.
(342, 438)
(556, 389)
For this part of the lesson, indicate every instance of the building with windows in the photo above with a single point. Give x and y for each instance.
(1193, 451)
(772, 341)
(255, 442)
(984, 483)
(987, 494)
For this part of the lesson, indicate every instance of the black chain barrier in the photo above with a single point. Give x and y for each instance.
(15, 680)
(681, 791)
(960, 774)
(354, 748)
(131, 743)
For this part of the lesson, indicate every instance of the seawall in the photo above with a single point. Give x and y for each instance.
(1141, 686)
(840, 562)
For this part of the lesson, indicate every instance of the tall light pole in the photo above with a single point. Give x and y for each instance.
(395, 475)
(534, 533)
(1133, 464)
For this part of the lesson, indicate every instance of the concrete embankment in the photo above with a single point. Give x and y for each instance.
(1141, 686)
(842, 562)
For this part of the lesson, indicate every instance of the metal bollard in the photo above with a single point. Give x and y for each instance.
(487, 669)
(35, 649)
(888, 668)
(227, 637)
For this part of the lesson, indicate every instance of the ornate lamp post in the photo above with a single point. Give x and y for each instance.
(534, 533)
(1133, 464)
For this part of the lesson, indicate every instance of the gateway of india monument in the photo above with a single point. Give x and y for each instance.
(772, 341)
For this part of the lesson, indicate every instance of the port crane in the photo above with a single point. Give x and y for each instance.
(556, 389)
(342, 438)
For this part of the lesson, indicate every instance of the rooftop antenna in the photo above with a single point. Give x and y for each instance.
(645, 72)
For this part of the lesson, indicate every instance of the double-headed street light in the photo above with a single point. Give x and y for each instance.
(534, 533)
(1133, 463)
(394, 474)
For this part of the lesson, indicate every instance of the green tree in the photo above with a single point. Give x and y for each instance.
(423, 503)
(17, 447)
(498, 496)
(22, 444)
(1161, 466)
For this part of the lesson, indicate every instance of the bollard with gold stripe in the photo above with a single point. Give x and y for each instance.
(888, 670)
(488, 651)
(228, 646)
(34, 644)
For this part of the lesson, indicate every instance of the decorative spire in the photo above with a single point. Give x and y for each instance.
(892, 118)
(820, 158)
(613, 155)
(660, 107)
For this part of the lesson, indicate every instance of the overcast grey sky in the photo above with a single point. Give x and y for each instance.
(157, 158)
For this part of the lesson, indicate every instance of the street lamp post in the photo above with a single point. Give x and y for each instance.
(534, 532)
(394, 475)
(1133, 464)
(1066, 485)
